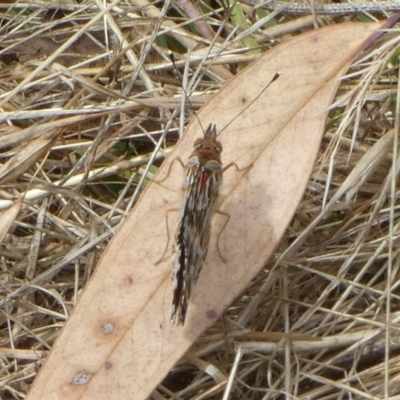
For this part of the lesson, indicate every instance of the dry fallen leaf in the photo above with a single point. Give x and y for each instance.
(119, 342)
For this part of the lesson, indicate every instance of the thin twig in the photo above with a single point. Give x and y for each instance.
(327, 9)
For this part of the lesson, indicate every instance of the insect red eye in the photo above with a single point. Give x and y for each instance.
(212, 165)
(193, 161)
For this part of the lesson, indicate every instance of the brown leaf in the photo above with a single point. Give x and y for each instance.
(119, 342)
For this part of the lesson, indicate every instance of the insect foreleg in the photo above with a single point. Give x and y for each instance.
(182, 164)
(233, 164)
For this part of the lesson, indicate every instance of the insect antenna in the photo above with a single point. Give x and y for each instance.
(184, 81)
(186, 97)
(274, 78)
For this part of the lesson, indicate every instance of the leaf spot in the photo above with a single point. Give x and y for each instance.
(108, 365)
(211, 314)
(81, 378)
(107, 328)
(128, 280)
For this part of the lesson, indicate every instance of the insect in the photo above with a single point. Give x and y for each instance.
(203, 179)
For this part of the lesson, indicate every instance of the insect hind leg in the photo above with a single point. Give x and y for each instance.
(227, 215)
(164, 257)
(160, 182)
